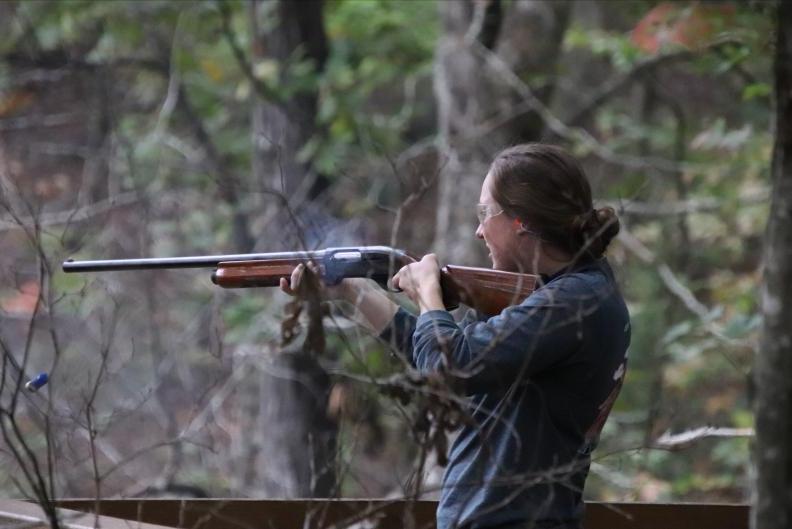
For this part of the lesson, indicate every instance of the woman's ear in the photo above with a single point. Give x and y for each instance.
(522, 228)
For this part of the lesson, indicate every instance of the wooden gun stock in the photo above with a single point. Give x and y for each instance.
(488, 291)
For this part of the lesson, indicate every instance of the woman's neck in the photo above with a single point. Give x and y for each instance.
(545, 261)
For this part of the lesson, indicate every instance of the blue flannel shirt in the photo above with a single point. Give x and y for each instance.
(539, 379)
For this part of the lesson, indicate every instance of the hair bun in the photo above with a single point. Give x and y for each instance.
(584, 222)
(597, 227)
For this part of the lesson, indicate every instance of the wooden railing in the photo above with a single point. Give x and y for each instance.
(17, 514)
(287, 514)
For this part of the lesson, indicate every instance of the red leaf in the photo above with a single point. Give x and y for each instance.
(14, 101)
(690, 25)
(24, 301)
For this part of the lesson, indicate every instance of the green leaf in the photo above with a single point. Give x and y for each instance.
(755, 91)
(742, 324)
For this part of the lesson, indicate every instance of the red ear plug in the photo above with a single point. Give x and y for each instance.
(521, 227)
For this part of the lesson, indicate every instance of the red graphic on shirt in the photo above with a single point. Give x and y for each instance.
(604, 409)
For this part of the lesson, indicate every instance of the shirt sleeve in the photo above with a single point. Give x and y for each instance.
(399, 334)
(541, 333)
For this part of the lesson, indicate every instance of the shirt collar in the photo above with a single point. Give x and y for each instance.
(582, 263)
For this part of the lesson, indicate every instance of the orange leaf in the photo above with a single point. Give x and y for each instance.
(690, 25)
(14, 101)
(24, 301)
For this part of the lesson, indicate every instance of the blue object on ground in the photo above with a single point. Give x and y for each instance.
(37, 382)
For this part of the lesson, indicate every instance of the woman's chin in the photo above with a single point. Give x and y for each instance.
(503, 265)
(497, 265)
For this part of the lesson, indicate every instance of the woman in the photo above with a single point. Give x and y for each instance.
(541, 376)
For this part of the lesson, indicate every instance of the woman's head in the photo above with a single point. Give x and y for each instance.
(543, 193)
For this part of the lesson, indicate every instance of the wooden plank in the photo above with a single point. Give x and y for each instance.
(246, 513)
(666, 516)
(20, 514)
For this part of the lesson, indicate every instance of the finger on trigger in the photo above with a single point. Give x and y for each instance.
(393, 283)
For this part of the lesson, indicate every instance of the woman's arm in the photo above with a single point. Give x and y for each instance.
(523, 340)
(372, 308)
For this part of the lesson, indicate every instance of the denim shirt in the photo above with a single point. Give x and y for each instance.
(540, 379)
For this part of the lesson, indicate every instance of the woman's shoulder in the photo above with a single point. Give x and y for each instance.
(590, 280)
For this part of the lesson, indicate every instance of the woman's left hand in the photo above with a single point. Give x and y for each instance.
(421, 282)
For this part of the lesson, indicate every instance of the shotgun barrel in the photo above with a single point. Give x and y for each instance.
(486, 290)
(212, 261)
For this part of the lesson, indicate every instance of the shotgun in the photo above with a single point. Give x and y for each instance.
(488, 291)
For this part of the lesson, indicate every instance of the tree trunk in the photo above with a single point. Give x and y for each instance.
(478, 110)
(295, 456)
(773, 371)
(283, 128)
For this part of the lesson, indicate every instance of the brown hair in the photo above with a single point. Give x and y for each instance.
(545, 187)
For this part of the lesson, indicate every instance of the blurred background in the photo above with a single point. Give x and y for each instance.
(157, 128)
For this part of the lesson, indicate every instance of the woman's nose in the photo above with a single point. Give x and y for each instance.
(480, 231)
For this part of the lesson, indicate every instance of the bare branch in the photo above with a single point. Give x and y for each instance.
(685, 439)
(574, 134)
(261, 88)
(676, 287)
(618, 83)
(66, 217)
(693, 205)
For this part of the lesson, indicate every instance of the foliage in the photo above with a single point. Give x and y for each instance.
(361, 107)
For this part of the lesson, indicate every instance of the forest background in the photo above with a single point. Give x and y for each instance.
(156, 128)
